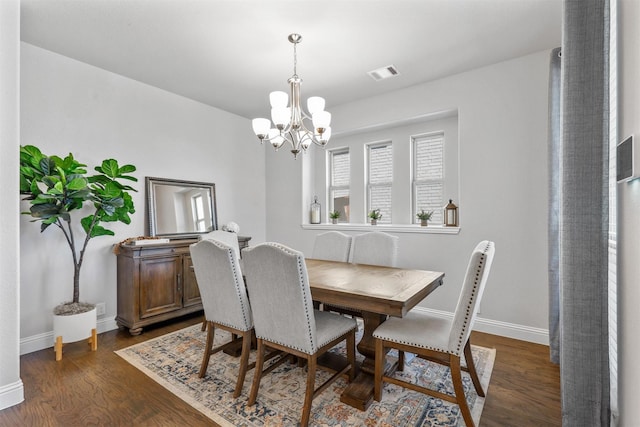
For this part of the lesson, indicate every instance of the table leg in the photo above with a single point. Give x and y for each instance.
(359, 393)
(367, 345)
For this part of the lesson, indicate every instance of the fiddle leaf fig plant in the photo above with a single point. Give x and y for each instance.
(56, 186)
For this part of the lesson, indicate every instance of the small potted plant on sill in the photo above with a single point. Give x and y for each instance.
(334, 215)
(424, 217)
(55, 187)
(375, 215)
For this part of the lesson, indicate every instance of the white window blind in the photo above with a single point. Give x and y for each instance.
(379, 179)
(339, 180)
(428, 175)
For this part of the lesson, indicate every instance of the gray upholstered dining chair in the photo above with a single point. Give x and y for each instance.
(225, 301)
(440, 340)
(230, 239)
(285, 319)
(332, 246)
(225, 237)
(373, 248)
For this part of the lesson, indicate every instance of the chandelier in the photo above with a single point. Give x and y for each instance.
(289, 122)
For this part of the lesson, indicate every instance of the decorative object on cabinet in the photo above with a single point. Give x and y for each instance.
(451, 214)
(157, 283)
(424, 217)
(55, 187)
(180, 209)
(231, 227)
(375, 215)
(289, 121)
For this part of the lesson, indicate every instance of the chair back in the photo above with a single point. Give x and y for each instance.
(332, 246)
(230, 239)
(472, 289)
(224, 296)
(375, 248)
(280, 296)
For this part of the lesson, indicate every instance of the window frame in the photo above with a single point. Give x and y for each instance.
(414, 170)
(331, 188)
(368, 185)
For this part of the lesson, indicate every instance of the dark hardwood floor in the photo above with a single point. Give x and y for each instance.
(101, 389)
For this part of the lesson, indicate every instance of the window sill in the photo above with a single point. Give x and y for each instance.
(394, 228)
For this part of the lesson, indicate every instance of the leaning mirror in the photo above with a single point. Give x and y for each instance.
(180, 209)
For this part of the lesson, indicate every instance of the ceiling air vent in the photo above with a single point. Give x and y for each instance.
(383, 73)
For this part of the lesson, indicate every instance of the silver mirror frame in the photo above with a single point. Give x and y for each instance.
(152, 183)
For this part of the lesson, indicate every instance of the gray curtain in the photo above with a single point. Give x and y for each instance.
(554, 205)
(578, 252)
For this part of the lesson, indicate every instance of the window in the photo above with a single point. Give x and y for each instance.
(400, 169)
(340, 172)
(379, 179)
(198, 212)
(428, 175)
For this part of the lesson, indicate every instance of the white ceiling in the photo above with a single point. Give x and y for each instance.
(231, 53)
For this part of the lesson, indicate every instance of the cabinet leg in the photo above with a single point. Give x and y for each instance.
(135, 331)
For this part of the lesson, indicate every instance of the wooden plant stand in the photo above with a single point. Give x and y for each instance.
(92, 341)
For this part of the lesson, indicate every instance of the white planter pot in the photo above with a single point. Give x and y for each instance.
(74, 327)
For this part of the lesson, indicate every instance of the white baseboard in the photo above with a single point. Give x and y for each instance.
(496, 327)
(46, 340)
(11, 394)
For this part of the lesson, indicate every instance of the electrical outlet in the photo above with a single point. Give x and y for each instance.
(100, 308)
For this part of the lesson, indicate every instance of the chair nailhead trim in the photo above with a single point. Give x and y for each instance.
(305, 303)
(476, 283)
(231, 255)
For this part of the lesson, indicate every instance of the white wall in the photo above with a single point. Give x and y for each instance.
(503, 187)
(69, 106)
(628, 218)
(11, 387)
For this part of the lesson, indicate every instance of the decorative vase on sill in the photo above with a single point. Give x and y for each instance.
(374, 215)
(334, 215)
(424, 217)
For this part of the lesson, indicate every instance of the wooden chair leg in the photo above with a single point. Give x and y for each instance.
(58, 348)
(244, 362)
(207, 349)
(461, 400)
(400, 360)
(468, 357)
(93, 341)
(308, 397)
(379, 370)
(351, 355)
(257, 375)
(204, 325)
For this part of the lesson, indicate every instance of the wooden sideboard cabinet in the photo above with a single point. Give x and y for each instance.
(156, 282)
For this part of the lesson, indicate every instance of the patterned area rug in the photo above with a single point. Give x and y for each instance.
(173, 360)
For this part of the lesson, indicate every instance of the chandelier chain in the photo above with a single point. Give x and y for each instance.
(295, 61)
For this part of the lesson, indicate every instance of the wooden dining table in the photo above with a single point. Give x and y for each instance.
(375, 291)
